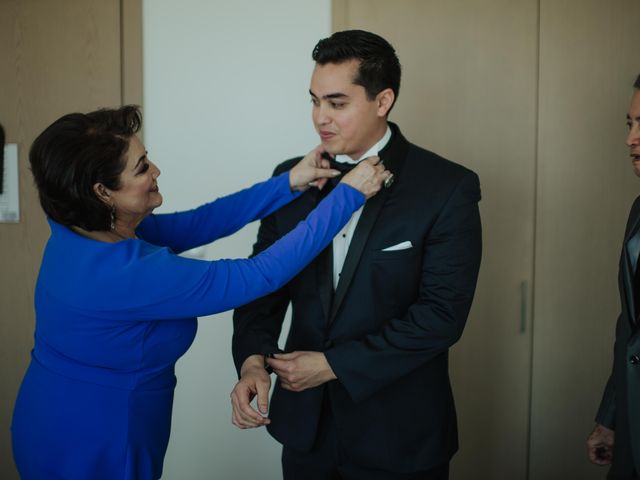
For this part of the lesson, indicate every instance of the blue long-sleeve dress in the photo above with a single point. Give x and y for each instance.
(113, 318)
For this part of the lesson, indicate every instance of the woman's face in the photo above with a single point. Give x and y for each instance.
(138, 194)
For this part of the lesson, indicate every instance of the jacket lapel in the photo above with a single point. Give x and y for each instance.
(630, 263)
(393, 156)
(324, 262)
(360, 236)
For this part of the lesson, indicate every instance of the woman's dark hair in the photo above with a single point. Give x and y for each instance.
(73, 154)
(637, 84)
(379, 65)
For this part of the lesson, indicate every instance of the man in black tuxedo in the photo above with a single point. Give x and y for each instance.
(615, 440)
(363, 391)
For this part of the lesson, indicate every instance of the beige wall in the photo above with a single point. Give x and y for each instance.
(57, 56)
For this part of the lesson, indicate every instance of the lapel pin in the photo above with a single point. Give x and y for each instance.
(388, 181)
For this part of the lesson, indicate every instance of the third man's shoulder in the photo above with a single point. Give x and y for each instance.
(634, 212)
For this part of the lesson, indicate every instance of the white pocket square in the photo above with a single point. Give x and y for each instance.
(400, 246)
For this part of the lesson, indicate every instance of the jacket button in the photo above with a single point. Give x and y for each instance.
(635, 360)
(329, 344)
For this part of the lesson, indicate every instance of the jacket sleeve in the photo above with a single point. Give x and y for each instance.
(257, 325)
(607, 412)
(182, 231)
(450, 264)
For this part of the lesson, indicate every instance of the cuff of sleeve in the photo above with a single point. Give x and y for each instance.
(267, 367)
(284, 185)
(606, 420)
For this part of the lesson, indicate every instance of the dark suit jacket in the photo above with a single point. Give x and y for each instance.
(620, 406)
(387, 328)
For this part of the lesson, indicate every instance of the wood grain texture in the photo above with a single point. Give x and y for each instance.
(131, 50)
(57, 57)
(588, 62)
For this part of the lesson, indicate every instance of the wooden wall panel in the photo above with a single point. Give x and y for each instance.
(57, 56)
(131, 59)
(588, 61)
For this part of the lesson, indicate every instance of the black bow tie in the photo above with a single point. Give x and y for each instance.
(342, 167)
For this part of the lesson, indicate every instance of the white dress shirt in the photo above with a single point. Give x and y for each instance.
(342, 241)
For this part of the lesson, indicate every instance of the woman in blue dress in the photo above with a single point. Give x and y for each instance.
(116, 305)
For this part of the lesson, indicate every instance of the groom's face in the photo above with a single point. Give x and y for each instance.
(633, 139)
(347, 121)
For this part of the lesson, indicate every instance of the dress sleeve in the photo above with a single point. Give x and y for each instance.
(182, 231)
(161, 285)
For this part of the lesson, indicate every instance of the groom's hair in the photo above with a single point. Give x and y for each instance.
(379, 65)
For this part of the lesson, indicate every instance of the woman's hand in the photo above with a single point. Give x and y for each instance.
(311, 171)
(368, 176)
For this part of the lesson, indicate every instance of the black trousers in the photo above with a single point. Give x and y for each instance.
(327, 460)
(612, 475)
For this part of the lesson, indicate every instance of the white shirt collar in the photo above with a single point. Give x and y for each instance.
(379, 145)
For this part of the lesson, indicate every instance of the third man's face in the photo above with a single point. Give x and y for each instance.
(633, 139)
(346, 120)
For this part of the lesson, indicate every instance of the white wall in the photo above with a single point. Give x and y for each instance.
(225, 100)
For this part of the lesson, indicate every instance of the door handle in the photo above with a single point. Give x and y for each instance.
(1, 158)
(524, 294)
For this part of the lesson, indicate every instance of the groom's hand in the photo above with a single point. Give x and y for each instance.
(600, 445)
(254, 382)
(301, 370)
(311, 171)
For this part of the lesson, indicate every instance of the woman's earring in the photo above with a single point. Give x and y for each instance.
(113, 218)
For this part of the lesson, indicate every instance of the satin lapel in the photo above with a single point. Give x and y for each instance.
(360, 235)
(631, 250)
(324, 262)
(393, 157)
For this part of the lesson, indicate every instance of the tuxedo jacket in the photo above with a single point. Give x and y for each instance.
(387, 327)
(620, 406)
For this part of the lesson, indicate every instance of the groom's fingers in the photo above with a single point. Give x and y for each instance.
(244, 416)
(262, 399)
(248, 415)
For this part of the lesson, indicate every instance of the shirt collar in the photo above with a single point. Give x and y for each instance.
(379, 145)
